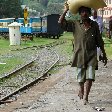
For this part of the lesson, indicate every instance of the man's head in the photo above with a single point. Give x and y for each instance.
(110, 17)
(85, 12)
(94, 13)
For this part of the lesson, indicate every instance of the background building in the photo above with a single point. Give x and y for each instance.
(106, 12)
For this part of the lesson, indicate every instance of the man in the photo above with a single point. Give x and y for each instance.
(86, 37)
(99, 20)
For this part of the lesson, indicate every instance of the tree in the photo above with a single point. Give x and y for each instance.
(2, 8)
(11, 8)
(40, 9)
(56, 1)
(44, 2)
(54, 8)
(45, 6)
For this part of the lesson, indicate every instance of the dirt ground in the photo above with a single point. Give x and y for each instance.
(58, 93)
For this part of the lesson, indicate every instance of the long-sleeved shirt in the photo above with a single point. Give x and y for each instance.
(85, 41)
(99, 21)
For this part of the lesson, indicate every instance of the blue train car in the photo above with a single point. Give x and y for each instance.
(4, 25)
(33, 26)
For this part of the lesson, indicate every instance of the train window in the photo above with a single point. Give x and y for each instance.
(28, 25)
(44, 23)
(36, 24)
(1, 25)
(5, 24)
(8, 23)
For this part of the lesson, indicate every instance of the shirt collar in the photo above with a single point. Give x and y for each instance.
(81, 22)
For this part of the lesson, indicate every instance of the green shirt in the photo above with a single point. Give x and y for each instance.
(86, 42)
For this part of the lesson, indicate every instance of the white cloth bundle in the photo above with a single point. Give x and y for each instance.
(74, 5)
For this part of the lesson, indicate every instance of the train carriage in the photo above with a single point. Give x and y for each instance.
(33, 26)
(46, 26)
(4, 25)
(50, 26)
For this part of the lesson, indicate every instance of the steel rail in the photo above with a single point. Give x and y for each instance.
(17, 70)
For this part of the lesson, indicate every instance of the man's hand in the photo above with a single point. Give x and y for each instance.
(104, 59)
(66, 7)
(62, 17)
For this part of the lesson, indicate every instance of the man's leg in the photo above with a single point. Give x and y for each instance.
(90, 77)
(81, 90)
(81, 79)
(88, 87)
(111, 35)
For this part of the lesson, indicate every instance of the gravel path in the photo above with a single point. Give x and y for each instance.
(61, 96)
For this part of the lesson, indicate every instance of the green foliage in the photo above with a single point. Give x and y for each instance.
(40, 9)
(56, 1)
(10, 8)
(44, 2)
(46, 6)
(54, 8)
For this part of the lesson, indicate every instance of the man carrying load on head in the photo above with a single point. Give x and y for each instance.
(87, 38)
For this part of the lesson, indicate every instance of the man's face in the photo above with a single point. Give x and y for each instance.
(84, 13)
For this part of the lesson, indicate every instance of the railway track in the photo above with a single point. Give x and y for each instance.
(25, 54)
(27, 75)
(55, 43)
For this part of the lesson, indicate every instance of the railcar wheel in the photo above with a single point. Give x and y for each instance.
(57, 36)
(53, 37)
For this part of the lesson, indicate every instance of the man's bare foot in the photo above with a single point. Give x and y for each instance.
(85, 102)
(80, 94)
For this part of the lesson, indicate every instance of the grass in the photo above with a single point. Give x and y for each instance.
(69, 47)
(107, 41)
(10, 63)
(37, 42)
(108, 47)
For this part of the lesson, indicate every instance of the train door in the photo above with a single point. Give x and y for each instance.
(44, 24)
